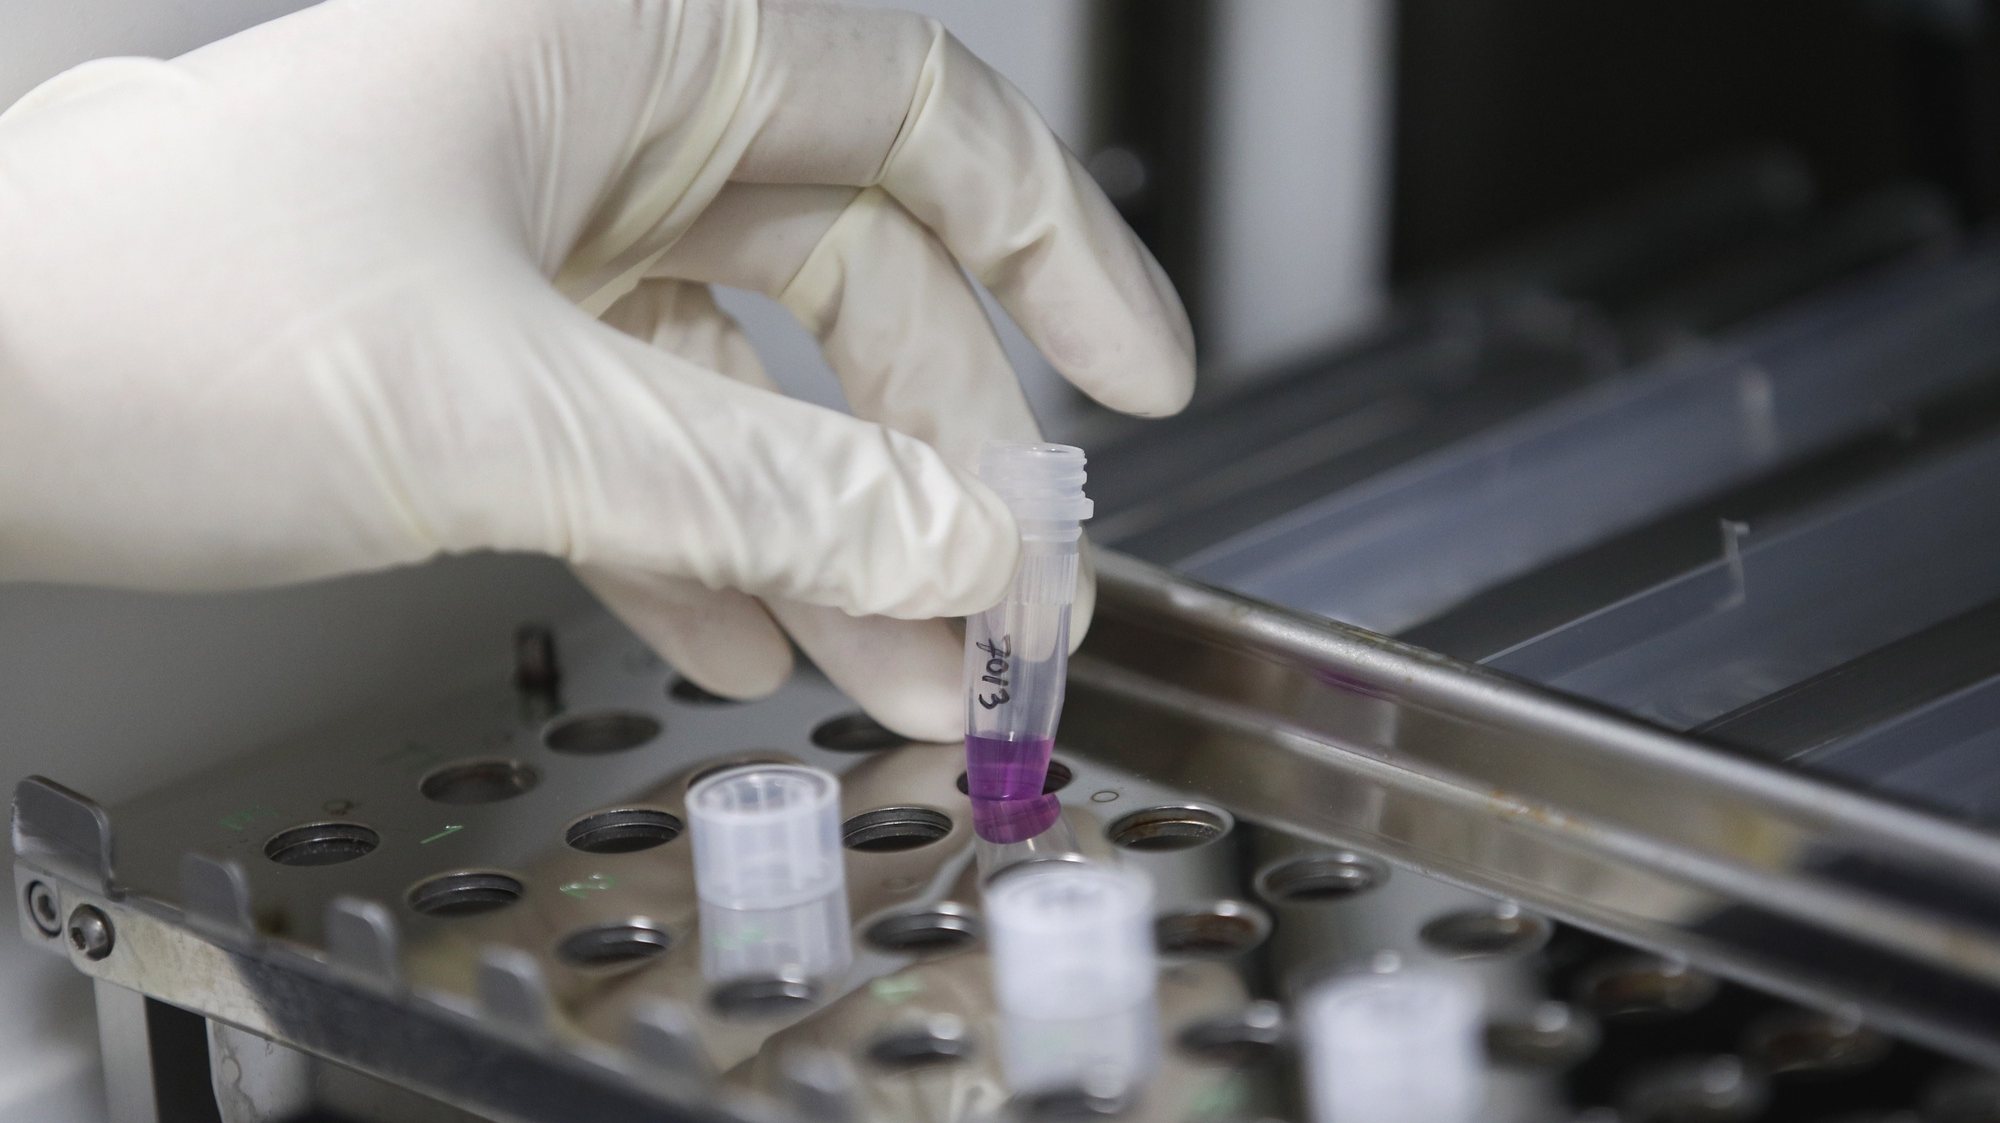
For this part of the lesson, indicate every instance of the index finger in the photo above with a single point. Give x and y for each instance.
(870, 97)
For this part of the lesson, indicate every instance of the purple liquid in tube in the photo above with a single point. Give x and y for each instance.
(1003, 768)
(1004, 778)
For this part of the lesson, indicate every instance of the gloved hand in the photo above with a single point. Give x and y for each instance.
(387, 278)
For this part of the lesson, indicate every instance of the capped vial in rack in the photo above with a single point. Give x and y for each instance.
(769, 872)
(1399, 1046)
(1017, 652)
(1074, 972)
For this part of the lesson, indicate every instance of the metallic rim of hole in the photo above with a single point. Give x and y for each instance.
(1321, 878)
(613, 945)
(468, 893)
(1071, 1103)
(623, 831)
(761, 997)
(1059, 777)
(943, 1042)
(856, 733)
(479, 781)
(1216, 930)
(1033, 862)
(946, 927)
(1177, 826)
(1256, 1035)
(1550, 1036)
(321, 844)
(595, 734)
(43, 908)
(888, 829)
(1810, 1042)
(1643, 987)
(706, 771)
(684, 689)
(1719, 1089)
(1486, 933)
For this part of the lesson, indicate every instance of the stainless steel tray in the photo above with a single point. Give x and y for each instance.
(422, 909)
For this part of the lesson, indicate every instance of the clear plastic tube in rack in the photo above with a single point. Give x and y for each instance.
(1017, 652)
(769, 872)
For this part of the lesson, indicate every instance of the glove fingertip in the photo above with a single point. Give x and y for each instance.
(1085, 606)
(745, 681)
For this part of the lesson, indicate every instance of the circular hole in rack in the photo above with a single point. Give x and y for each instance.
(321, 844)
(888, 829)
(1486, 933)
(762, 996)
(623, 831)
(1321, 877)
(596, 734)
(1550, 1036)
(684, 689)
(926, 931)
(1642, 988)
(1216, 930)
(1808, 1043)
(43, 909)
(479, 781)
(465, 894)
(941, 1041)
(1254, 1036)
(1057, 1105)
(612, 945)
(706, 771)
(1057, 779)
(1169, 827)
(856, 733)
(1718, 1089)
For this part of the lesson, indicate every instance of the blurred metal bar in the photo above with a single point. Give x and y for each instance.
(1420, 403)
(155, 1059)
(1754, 620)
(1411, 542)
(1770, 875)
(128, 1054)
(1626, 565)
(1880, 686)
(1960, 736)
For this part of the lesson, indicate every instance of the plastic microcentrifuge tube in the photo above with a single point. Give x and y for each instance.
(1017, 652)
(1074, 972)
(769, 872)
(1394, 1047)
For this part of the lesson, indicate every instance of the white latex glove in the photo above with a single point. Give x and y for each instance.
(326, 297)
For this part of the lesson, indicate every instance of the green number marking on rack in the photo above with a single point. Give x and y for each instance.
(240, 820)
(894, 990)
(595, 883)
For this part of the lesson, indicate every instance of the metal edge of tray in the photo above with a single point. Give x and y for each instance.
(466, 1056)
(1781, 879)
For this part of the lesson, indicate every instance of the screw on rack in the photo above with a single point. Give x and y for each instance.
(43, 909)
(90, 932)
(537, 673)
